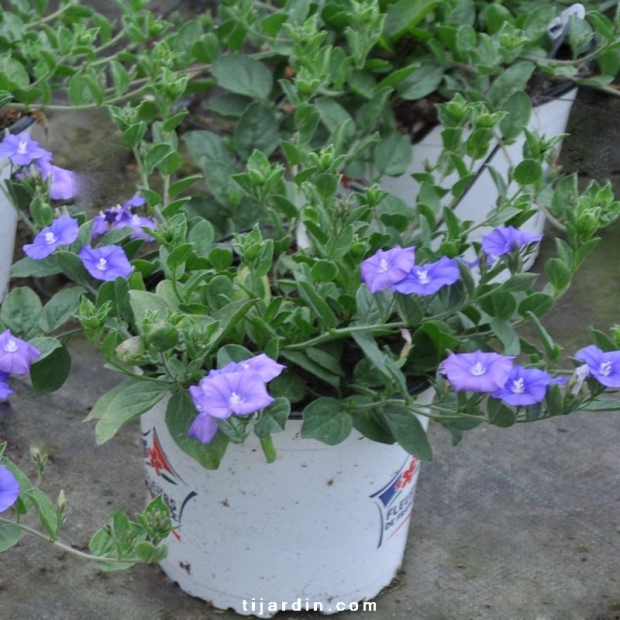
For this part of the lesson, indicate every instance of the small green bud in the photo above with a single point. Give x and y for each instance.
(160, 336)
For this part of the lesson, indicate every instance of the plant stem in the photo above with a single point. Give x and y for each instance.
(335, 334)
(64, 547)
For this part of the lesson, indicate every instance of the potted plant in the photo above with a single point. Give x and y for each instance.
(281, 382)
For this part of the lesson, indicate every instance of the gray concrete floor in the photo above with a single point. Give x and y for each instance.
(513, 524)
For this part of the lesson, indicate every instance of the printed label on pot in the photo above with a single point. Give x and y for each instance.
(164, 480)
(395, 499)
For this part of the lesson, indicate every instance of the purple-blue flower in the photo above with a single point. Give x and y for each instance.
(22, 150)
(242, 392)
(16, 355)
(383, 269)
(477, 371)
(9, 489)
(137, 222)
(526, 386)
(266, 368)
(203, 428)
(63, 184)
(135, 201)
(121, 216)
(5, 388)
(604, 366)
(105, 263)
(505, 240)
(428, 279)
(62, 231)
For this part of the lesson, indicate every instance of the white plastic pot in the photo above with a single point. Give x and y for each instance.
(321, 528)
(548, 118)
(8, 229)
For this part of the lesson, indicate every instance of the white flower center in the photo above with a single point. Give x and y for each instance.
(423, 276)
(478, 370)
(10, 346)
(605, 369)
(102, 265)
(383, 265)
(50, 238)
(22, 149)
(518, 386)
(235, 399)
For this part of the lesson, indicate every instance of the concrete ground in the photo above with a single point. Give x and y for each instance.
(513, 524)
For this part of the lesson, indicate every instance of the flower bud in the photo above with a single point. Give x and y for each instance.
(130, 350)
(160, 336)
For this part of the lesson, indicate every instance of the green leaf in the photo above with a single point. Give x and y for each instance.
(507, 335)
(9, 535)
(303, 361)
(27, 267)
(392, 156)
(537, 303)
(60, 308)
(50, 371)
(602, 404)
(422, 82)
(273, 418)
(499, 414)
(559, 274)
(48, 515)
(518, 107)
(143, 303)
(406, 14)
(20, 311)
(216, 159)
(124, 404)
(180, 413)
(327, 421)
(407, 430)
(528, 171)
(510, 81)
(257, 129)
(318, 305)
(243, 75)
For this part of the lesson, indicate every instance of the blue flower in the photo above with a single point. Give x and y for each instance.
(106, 263)
(62, 231)
(428, 279)
(16, 355)
(526, 386)
(505, 240)
(604, 366)
(9, 489)
(383, 269)
(477, 371)
(22, 150)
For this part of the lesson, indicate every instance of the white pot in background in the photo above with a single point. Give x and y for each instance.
(322, 527)
(548, 118)
(8, 228)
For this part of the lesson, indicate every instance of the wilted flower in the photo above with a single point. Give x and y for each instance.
(9, 489)
(22, 150)
(428, 279)
(383, 269)
(505, 240)
(63, 182)
(477, 371)
(604, 366)
(105, 263)
(16, 355)
(62, 231)
(526, 386)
